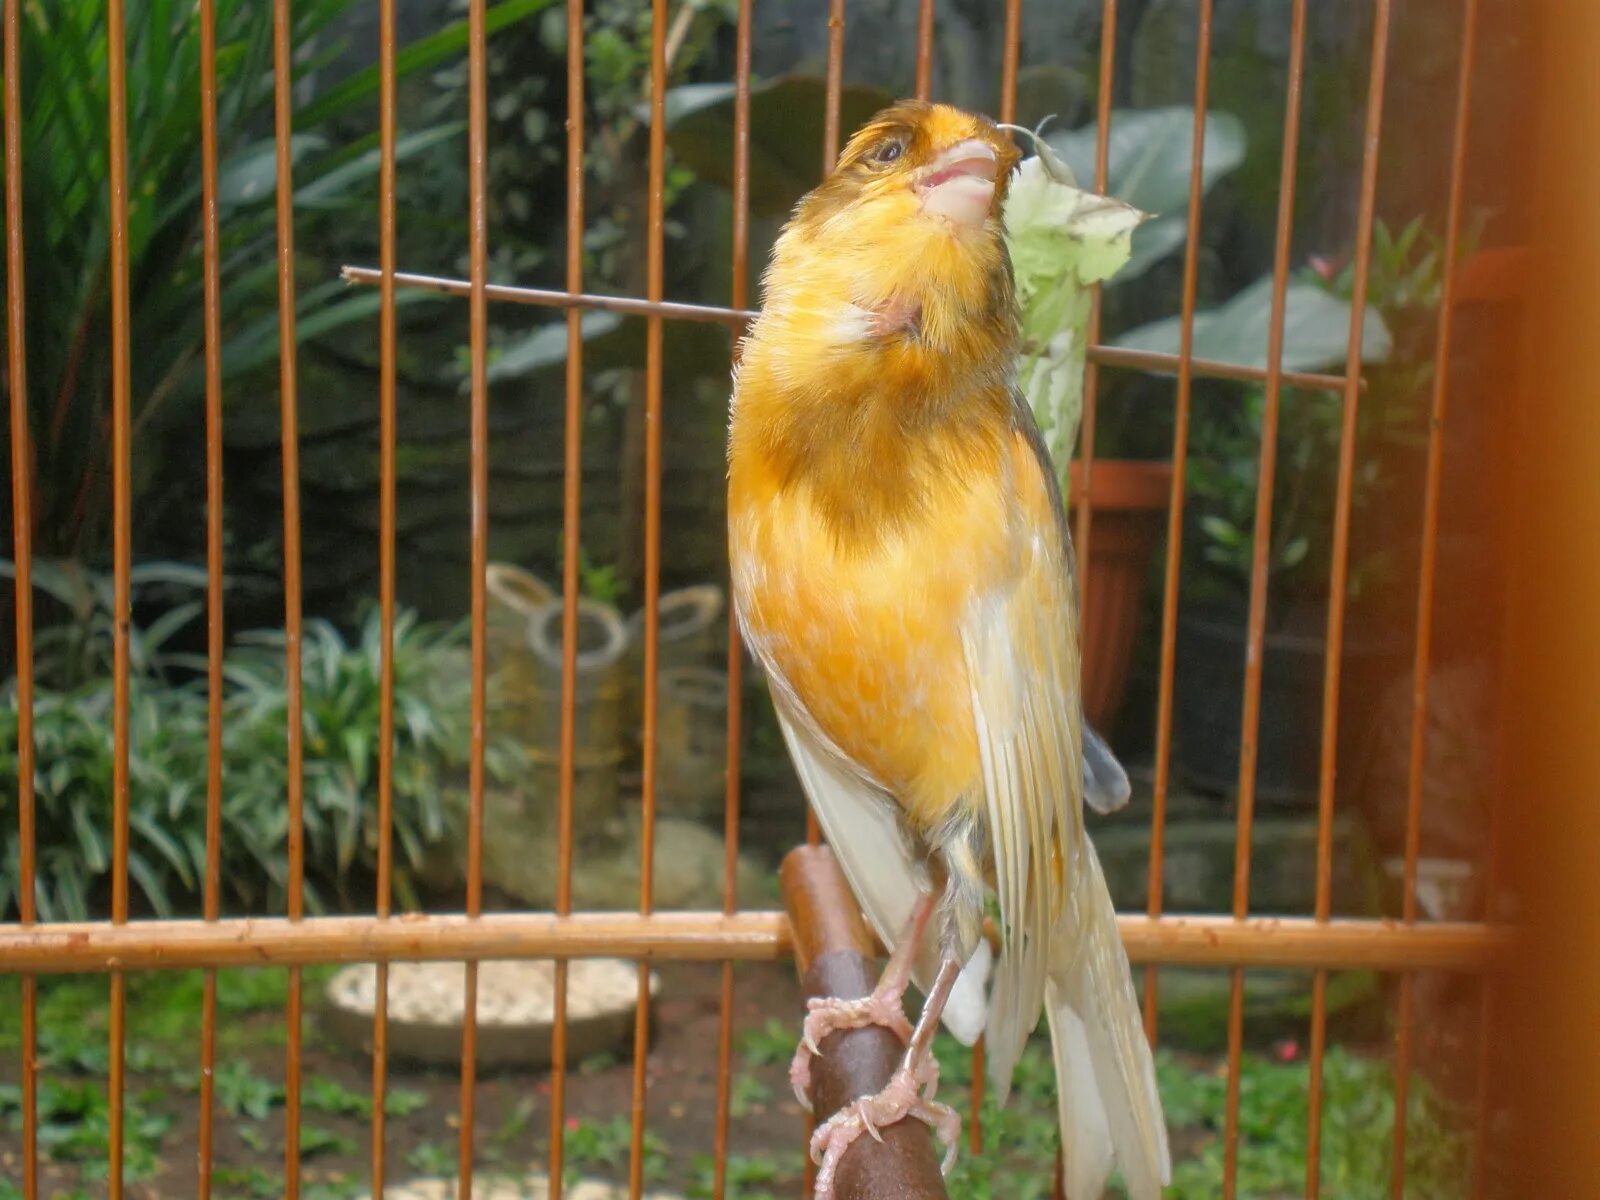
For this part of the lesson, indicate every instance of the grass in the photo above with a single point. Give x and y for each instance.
(1357, 1131)
(1020, 1139)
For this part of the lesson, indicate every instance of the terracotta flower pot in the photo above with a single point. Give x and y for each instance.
(1128, 504)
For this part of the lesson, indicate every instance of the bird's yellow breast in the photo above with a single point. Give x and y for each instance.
(867, 635)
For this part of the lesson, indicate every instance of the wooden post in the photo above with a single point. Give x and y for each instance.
(834, 953)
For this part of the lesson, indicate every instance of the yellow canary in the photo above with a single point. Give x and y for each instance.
(903, 571)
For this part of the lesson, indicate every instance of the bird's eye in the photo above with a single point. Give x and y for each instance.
(888, 152)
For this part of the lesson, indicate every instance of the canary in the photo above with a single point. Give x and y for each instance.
(902, 569)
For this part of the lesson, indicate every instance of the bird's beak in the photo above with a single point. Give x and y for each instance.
(959, 185)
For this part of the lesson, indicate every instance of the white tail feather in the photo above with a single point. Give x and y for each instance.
(1110, 1109)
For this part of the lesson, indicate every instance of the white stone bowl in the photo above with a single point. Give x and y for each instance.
(516, 1008)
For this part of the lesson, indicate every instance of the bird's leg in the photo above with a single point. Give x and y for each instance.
(826, 1014)
(909, 1093)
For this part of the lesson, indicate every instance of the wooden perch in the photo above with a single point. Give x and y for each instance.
(834, 953)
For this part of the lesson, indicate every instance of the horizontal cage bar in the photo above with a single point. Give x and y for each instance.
(1285, 942)
(1105, 356)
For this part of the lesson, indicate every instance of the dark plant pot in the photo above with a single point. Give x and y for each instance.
(1128, 512)
(1209, 701)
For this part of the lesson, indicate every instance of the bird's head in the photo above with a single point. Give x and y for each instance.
(902, 246)
(937, 169)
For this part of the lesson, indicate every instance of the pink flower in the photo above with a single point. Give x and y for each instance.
(1326, 267)
(1286, 1051)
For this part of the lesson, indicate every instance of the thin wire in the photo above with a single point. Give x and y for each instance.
(1338, 583)
(1011, 49)
(283, 68)
(1008, 62)
(1258, 579)
(478, 254)
(730, 808)
(122, 554)
(571, 533)
(1116, 357)
(1180, 462)
(22, 556)
(654, 287)
(211, 234)
(830, 155)
(924, 83)
(1091, 374)
(387, 436)
(1428, 570)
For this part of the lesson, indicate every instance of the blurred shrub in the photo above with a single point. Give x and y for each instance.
(66, 134)
(169, 756)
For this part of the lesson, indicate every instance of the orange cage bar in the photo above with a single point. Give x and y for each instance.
(1319, 943)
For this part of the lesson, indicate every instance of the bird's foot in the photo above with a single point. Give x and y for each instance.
(827, 1015)
(909, 1093)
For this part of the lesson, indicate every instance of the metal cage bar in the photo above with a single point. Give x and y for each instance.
(65, 947)
(1118, 357)
(1427, 571)
(283, 124)
(212, 256)
(1180, 457)
(122, 558)
(387, 438)
(1339, 576)
(22, 556)
(478, 260)
(923, 88)
(655, 276)
(1256, 630)
(830, 154)
(571, 518)
(739, 297)
(1082, 494)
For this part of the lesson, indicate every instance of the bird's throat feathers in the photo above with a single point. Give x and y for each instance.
(877, 301)
(883, 358)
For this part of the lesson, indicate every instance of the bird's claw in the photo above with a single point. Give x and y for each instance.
(909, 1093)
(826, 1015)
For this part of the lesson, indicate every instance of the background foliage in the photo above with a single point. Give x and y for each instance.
(169, 755)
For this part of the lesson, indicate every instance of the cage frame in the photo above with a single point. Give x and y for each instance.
(116, 945)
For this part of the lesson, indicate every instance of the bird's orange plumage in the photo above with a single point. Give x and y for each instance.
(857, 460)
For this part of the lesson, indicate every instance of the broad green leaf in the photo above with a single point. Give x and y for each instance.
(1316, 330)
(251, 176)
(421, 54)
(1148, 156)
(546, 346)
(1148, 165)
(334, 186)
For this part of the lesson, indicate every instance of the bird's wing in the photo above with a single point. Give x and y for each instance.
(862, 826)
(1022, 652)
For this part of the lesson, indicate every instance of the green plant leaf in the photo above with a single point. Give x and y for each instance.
(419, 55)
(334, 186)
(1315, 333)
(1149, 151)
(1148, 167)
(546, 346)
(251, 176)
